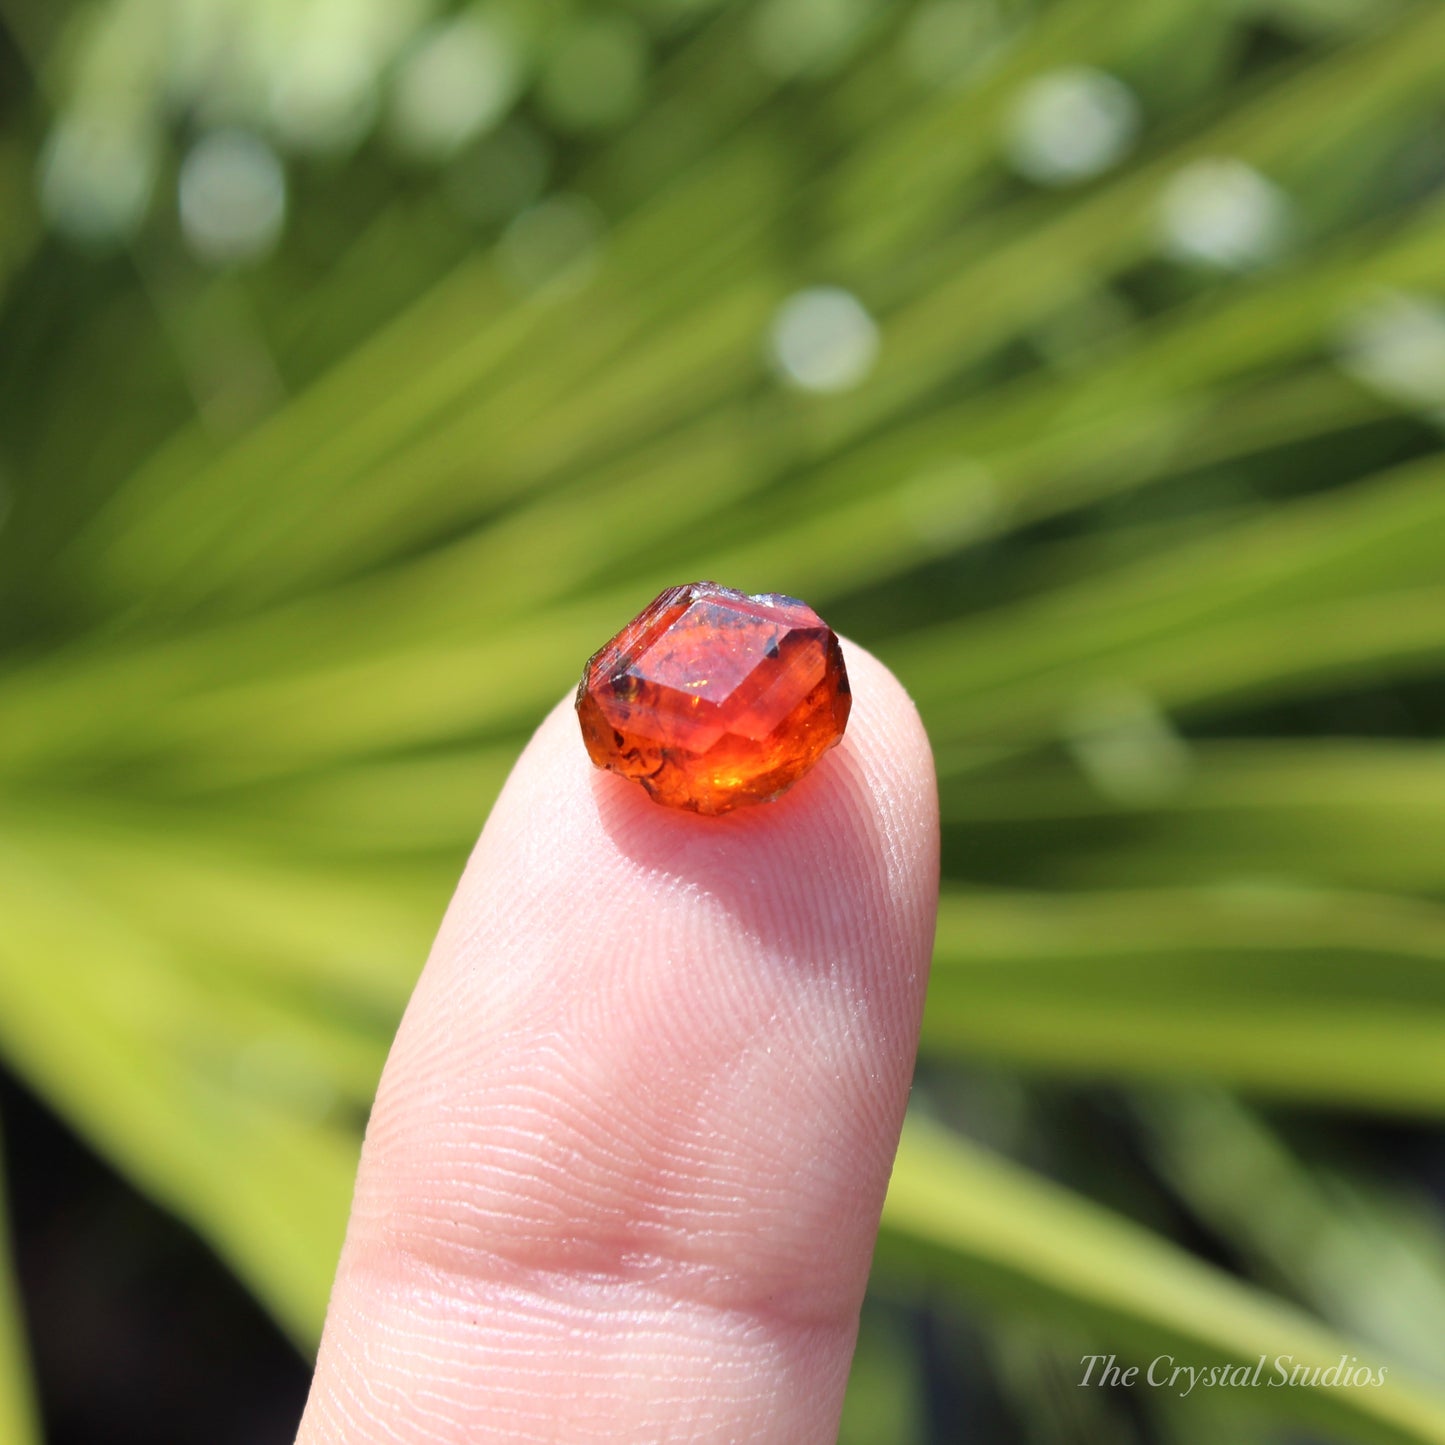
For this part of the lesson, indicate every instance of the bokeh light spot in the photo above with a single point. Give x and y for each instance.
(1070, 125)
(460, 78)
(1224, 214)
(553, 245)
(323, 98)
(823, 340)
(594, 76)
(232, 197)
(1395, 345)
(948, 42)
(96, 174)
(806, 37)
(1126, 746)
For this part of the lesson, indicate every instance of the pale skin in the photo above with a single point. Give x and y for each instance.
(624, 1173)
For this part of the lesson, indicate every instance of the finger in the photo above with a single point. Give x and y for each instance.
(623, 1176)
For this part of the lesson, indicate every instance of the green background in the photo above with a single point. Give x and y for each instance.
(364, 364)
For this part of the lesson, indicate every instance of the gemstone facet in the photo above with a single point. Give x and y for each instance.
(711, 698)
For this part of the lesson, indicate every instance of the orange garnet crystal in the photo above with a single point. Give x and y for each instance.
(711, 698)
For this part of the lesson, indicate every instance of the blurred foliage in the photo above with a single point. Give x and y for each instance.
(362, 363)
(18, 1422)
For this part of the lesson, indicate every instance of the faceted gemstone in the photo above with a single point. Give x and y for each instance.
(712, 698)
